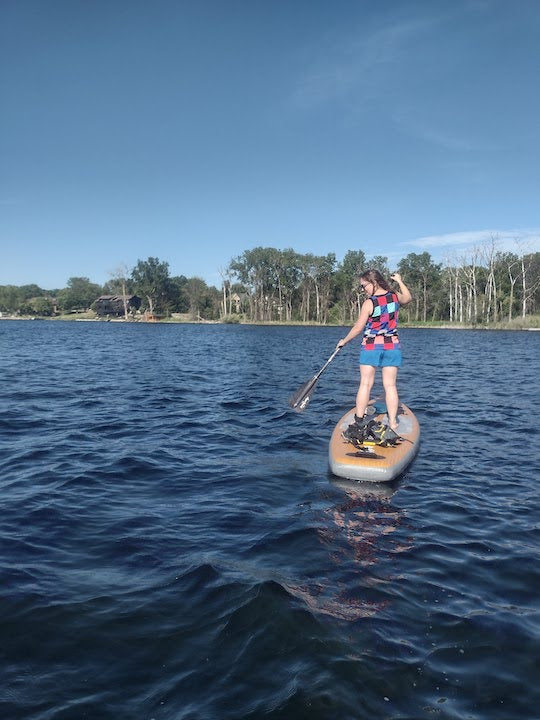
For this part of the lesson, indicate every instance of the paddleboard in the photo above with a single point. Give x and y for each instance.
(374, 463)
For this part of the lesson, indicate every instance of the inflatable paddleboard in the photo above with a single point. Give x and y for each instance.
(374, 463)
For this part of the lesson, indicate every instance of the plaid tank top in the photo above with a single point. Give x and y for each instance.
(381, 327)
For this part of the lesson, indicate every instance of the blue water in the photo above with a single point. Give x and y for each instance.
(173, 546)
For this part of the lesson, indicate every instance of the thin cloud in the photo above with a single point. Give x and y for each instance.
(509, 240)
(354, 66)
(412, 124)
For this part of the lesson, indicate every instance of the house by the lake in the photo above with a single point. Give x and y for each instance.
(113, 305)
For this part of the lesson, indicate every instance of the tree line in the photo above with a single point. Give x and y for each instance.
(483, 287)
(161, 293)
(265, 284)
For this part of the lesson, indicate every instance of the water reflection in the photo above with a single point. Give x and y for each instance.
(366, 489)
(362, 530)
(366, 518)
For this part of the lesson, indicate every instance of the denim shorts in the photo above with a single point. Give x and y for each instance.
(381, 358)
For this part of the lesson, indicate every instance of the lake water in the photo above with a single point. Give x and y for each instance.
(173, 546)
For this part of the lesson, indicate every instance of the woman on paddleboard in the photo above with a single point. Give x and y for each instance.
(378, 321)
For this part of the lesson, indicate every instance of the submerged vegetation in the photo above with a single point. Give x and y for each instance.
(486, 288)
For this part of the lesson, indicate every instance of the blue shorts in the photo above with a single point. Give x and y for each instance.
(381, 358)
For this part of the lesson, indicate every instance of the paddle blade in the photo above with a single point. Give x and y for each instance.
(300, 400)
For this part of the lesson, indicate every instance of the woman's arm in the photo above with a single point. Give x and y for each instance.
(359, 325)
(404, 295)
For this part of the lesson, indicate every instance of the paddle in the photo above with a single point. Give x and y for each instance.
(300, 400)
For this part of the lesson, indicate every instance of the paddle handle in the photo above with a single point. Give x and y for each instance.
(327, 363)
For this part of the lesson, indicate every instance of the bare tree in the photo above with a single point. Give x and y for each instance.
(452, 276)
(470, 271)
(490, 290)
(529, 285)
(119, 276)
(226, 277)
(513, 277)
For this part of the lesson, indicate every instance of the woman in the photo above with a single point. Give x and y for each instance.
(380, 344)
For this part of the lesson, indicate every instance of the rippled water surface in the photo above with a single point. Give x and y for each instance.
(174, 547)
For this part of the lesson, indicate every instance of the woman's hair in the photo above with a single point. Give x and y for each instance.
(376, 279)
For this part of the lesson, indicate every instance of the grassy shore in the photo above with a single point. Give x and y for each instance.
(530, 322)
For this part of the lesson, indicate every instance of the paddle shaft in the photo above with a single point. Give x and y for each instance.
(301, 397)
(326, 364)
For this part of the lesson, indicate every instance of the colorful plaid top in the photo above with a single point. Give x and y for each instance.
(381, 327)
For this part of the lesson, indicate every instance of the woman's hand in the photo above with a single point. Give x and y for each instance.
(341, 343)
(404, 294)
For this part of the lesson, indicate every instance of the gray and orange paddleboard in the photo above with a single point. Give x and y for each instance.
(374, 463)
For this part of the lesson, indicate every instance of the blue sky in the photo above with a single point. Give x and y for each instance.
(193, 131)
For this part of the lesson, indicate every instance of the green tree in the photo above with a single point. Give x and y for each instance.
(423, 277)
(151, 280)
(30, 291)
(79, 294)
(347, 285)
(212, 303)
(179, 301)
(289, 279)
(323, 267)
(195, 290)
(42, 305)
(380, 263)
(257, 270)
(10, 298)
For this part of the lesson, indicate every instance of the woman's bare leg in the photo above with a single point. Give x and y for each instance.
(389, 378)
(367, 376)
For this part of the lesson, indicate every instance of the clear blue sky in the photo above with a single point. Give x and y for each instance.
(195, 130)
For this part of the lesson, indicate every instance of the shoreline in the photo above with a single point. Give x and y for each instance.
(175, 321)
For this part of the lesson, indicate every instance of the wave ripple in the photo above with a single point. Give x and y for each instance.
(173, 546)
